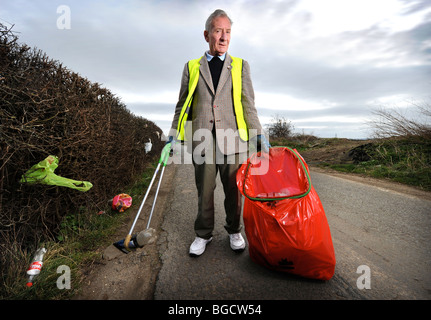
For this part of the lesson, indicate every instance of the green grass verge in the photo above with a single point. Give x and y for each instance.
(406, 160)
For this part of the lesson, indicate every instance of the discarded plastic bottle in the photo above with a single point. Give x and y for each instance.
(35, 266)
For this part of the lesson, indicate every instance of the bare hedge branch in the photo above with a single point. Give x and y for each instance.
(390, 122)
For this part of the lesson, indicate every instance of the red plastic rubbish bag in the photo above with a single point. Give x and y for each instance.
(121, 202)
(284, 219)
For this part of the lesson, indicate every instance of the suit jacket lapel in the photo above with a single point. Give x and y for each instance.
(225, 73)
(206, 73)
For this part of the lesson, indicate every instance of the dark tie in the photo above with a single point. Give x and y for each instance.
(215, 67)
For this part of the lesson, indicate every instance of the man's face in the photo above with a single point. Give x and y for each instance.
(219, 36)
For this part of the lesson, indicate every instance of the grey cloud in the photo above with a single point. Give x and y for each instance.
(348, 110)
(314, 81)
(416, 6)
(142, 46)
(152, 108)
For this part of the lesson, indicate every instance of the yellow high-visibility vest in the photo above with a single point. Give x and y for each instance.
(236, 72)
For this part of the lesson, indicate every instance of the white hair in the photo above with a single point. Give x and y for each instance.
(215, 14)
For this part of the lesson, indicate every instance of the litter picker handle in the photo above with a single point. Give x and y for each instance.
(163, 159)
(165, 154)
(155, 197)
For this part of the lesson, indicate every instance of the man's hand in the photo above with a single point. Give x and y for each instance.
(170, 139)
(167, 151)
(262, 144)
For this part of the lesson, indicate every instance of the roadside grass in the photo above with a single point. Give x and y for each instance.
(301, 142)
(78, 244)
(406, 160)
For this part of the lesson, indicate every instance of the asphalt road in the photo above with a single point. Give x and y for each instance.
(381, 239)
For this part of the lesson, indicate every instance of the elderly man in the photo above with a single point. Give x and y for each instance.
(217, 95)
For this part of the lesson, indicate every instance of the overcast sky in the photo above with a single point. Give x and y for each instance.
(324, 65)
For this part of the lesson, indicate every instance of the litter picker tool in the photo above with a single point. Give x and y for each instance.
(162, 163)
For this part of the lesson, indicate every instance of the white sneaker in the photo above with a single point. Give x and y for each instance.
(198, 246)
(237, 242)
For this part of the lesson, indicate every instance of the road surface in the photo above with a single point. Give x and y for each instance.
(381, 239)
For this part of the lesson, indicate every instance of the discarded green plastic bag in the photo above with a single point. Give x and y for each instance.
(43, 173)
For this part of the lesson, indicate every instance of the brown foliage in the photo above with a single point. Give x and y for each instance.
(45, 109)
(390, 122)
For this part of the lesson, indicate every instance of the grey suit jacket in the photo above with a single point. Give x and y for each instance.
(215, 110)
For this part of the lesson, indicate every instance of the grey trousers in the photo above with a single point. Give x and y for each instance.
(205, 178)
